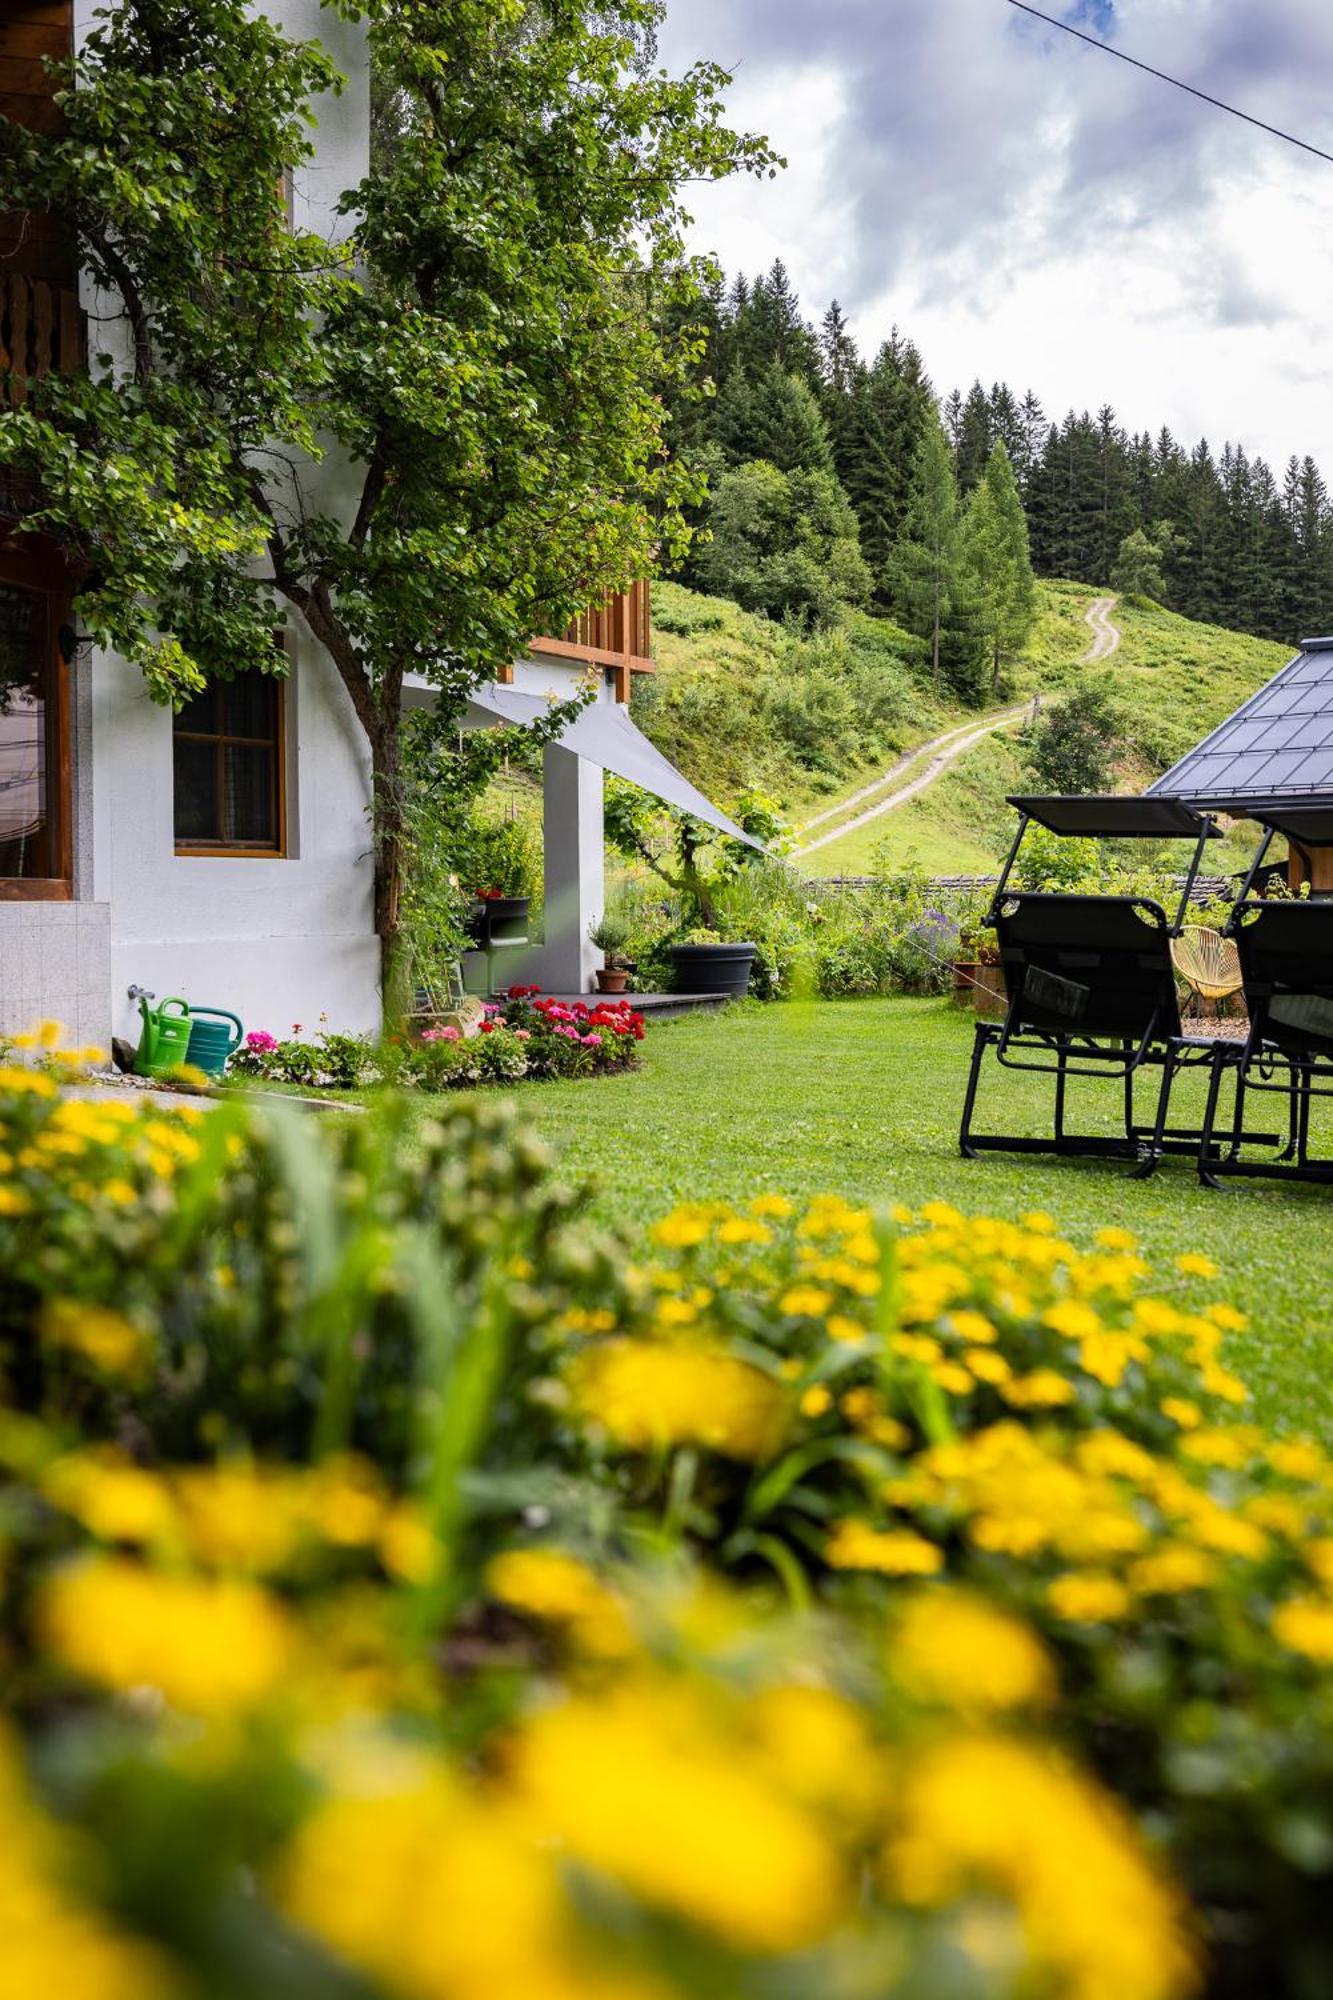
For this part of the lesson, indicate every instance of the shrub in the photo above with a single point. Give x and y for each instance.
(298, 1720)
(396, 1575)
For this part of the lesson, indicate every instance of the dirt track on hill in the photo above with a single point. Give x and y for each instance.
(942, 751)
(1106, 637)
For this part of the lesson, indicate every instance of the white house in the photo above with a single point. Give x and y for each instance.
(223, 853)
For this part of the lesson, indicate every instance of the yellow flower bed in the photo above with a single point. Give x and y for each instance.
(395, 1578)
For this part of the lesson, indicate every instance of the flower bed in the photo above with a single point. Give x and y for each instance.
(526, 1035)
(408, 1594)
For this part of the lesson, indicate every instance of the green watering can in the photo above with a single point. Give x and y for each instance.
(165, 1041)
(177, 1033)
(213, 1042)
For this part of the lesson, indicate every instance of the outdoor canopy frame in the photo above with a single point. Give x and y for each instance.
(1109, 816)
(1091, 984)
(1286, 956)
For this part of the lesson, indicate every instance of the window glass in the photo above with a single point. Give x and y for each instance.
(227, 744)
(27, 736)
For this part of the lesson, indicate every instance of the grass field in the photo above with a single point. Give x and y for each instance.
(862, 1098)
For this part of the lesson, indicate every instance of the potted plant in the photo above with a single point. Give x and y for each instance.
(611, 936)
(697, 862)
(704, 962)
(978, 976)
(502, 869)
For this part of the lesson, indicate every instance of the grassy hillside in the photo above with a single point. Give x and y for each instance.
(739, 702)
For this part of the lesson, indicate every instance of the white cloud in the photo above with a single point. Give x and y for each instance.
(1032, 211)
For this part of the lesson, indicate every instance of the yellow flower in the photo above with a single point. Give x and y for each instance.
(677, 1312)
(1171, 1569)
(894, 1552)
(1116, 1238)
(1227, 1317)
(818, 1748)
(774, 1206)
(107, 1339)
(1186, 1415)
(1192, 1265)
(407, 1547)
(953, 1378)
(1098, 1920)
(425, 1889)
(839, 1327)
(1073, 1319)
(683, 1229)
(1296, 1458)
(656, 1393)
(805, 1301)
(1305, 1625)
(14, 1202)
(817, 1401)
(53, 1944)
(741, 1229)
(27, 1083)
(209, 1647)
(1041, 1390)
(1088, 1597)
(974, 1326)
(114, 1500)
(556, 1588)
(954, 1649)
(987, 1365)
(648, 1788)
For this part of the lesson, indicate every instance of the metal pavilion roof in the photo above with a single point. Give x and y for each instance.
(1275, 751)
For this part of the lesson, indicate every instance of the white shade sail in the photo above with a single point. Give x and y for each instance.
(603, 734)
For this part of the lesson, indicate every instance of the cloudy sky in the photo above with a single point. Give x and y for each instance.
(1030, 210)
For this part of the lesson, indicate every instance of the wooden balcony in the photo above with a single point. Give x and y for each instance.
(41, 332)
(618, 634)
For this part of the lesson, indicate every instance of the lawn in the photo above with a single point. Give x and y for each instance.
(862, 1098)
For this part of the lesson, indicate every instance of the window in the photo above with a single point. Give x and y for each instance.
(228, 753)
(35, 857)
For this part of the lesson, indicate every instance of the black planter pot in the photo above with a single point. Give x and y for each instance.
(499, 920)
(713, 968)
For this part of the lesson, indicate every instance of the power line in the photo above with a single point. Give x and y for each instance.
(1275, 131)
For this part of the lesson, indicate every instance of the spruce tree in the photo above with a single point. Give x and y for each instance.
(923, 569)
(775, 417)
(997, 561)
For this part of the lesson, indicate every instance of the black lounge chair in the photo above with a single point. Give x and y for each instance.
(1092, 988)
(1286, 959)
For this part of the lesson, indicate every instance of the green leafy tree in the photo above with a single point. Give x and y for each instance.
(784, 543)
(997, 561)
(479, 354)
(1138, 567)
(924, 566)
(1074, 745)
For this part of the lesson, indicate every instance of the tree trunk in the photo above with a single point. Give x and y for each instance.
(389, 841)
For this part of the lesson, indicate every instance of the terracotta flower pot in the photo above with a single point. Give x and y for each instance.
(612, 979)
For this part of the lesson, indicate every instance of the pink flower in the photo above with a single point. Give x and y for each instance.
(592, 1041)
(261, 1039)
(441, 1035)
(522, 1035)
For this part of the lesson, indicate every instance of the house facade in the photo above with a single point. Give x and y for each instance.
(224, 853)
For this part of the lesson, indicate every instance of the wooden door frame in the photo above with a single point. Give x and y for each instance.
(40, 567)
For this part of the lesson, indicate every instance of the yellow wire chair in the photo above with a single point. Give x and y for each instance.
(1208, 963)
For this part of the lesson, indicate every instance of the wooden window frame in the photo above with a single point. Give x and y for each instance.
(217, 850)
(46, 576)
